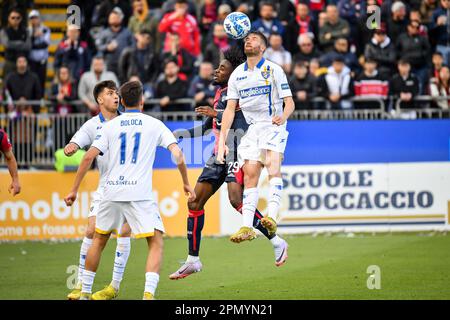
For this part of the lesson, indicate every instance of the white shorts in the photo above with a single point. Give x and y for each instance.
(142, 216)
(93, 209)
(259, 138)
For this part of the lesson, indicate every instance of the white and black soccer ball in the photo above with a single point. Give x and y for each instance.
(237, 25)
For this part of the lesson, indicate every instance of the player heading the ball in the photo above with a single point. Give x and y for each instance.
(261, 88)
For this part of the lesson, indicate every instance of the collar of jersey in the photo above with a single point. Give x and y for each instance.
(128, 111)
(259, 65)
(102, 117)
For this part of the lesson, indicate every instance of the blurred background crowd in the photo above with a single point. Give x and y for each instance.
(334, 49)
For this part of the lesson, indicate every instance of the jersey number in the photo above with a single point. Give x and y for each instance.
(123, 146)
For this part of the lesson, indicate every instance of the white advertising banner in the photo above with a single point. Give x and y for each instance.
(356, 197)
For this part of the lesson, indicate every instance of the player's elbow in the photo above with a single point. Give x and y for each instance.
(178, 155)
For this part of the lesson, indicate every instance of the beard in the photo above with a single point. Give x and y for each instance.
(251, 52)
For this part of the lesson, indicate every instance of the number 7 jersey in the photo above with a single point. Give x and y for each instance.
(131, 140)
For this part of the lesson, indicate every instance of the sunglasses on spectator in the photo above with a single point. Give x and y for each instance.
(15, 17)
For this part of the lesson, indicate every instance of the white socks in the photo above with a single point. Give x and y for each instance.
(276, 189)
(151, 282)
(88, 280)
(85, 245)
(276, 241)
(120, 260)
(192, 259)
(249, 204)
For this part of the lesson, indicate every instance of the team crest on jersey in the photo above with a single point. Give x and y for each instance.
(266, 73)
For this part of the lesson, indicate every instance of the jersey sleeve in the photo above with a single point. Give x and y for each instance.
(166, 137)
(5, 144)
(281, 83)
(101, 140)
(232, 91)
(84, 136)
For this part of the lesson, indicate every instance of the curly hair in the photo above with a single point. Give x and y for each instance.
(235, 55)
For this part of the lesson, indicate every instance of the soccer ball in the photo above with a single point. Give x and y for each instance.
(237, 25)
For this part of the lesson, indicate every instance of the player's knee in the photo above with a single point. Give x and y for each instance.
(235, 200)
(195, 205)
(250, 180)
(90, 231)
(126, 231)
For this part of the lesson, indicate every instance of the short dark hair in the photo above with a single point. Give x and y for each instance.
(99, 87)
(131, 93)
(261, 35)
(403, 62)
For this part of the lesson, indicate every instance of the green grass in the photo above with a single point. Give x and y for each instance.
(413, 266)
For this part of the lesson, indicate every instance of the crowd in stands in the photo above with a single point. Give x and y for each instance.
(335, 49)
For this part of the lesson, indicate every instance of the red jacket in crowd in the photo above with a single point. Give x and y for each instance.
(186, 27)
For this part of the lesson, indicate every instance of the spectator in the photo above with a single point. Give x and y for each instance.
(16, 40)
(350, 11)
(208, 14)
(414, 15)
(145, 19)
(219, 44)
(267, 24)
(427, 7)
(370, 84)
(337, 85)
(302, 85)
(307, 50)
(202, 88)
(416, 50)
(181, 23)
(169, 6)
(23, 84)
(64, 91)
(382, 50)
(334, 28)
(341, 49)
(316, 7)
(302, 24)
(397, 22)
(441, 87)
(73, 53)
(88, 81)
(315, 69)
(183, 58)
(437, 62)
(286, 12)
(171, 88)
(222, 12)
(103, 10)
(140, 60)
(438, 30)
(113, 40)
(404, 85)
(40, 40)
(277, 54)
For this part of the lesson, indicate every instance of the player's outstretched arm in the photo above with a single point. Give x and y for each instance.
(181, 164)
(289, 107)
(82, 170)
(227, 121)
(11, 162)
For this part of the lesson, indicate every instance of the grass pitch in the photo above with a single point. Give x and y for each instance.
(413, 266)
